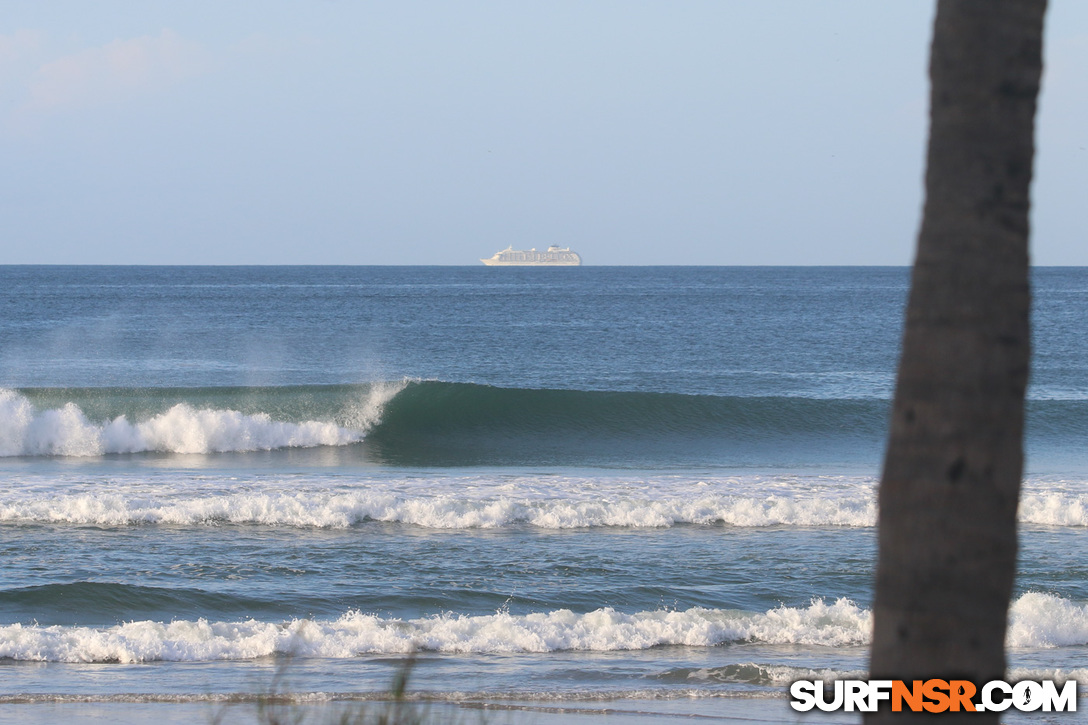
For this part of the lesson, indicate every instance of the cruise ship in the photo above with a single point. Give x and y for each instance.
(555, 256)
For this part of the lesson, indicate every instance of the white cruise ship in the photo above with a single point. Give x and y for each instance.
(555, 256)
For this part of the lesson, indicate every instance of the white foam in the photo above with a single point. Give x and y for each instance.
(343, 509)
(1059, 674)
(366, 413)
(1054, 509)
(1036, 621)
(444, 501)
(1044, 620)
(836, 624)
(25, 431)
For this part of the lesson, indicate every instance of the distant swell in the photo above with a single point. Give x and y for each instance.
(1036, 621)
(109, 601)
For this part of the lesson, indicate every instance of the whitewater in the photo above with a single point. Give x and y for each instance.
(1036, 621)
(66, 431)
(487, 501)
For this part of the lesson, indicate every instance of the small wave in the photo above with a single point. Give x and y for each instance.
(495, 699)
(1044, 620)
(340, 510)
(1059, 674)
(1054, 509)
(66, 431)
(779, 675)
(836, 624)
(485, 501)
(1036, 621)
(752, 673)
(109, 601)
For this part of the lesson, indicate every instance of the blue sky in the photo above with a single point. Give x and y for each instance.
(637, 132)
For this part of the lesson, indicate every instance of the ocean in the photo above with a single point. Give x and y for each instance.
(528, 485)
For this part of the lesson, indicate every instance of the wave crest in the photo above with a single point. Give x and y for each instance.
(1036, 621)
(1054, 509)
(836, 624)
(485, 501)
(66, 431)
(339, 510)
(1044, 620)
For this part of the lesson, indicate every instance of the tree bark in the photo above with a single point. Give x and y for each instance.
(951, 480)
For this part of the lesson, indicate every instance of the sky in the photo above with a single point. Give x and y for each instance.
(716, 132)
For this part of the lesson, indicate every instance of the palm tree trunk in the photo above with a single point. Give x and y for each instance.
(951, 481)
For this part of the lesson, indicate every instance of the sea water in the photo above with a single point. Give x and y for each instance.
(535, 485)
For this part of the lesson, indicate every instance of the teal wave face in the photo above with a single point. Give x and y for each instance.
(462, 424)
(109, 602)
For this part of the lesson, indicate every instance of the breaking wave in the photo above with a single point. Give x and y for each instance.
(26, 430)
(415, 422)
(433, 422)
(339, 510)
(835, 624)
(1036, 621)
(1054, 508)
(438, 423)
(1044, 620)
(487, 502)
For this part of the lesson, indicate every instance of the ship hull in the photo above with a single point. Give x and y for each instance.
(553, 256)
(501, 263)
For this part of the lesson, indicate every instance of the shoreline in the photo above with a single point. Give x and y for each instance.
(727, 710)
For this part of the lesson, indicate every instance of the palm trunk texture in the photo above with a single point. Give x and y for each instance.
(951, 480)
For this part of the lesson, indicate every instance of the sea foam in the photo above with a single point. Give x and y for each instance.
(339, 510)
(1054, 508)
(443, 501)
(1044, 620)
(835, 624)
(1036, 621)
(66, 431)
